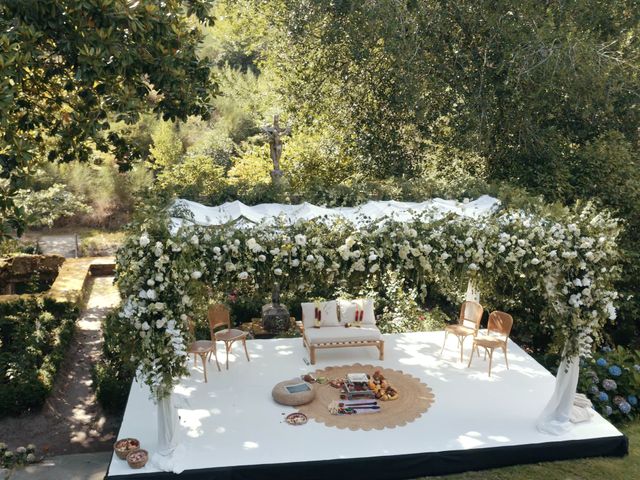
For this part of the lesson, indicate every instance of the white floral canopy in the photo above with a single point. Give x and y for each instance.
(565, 258)
(400, 211)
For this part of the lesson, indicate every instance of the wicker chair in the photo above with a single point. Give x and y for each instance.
(498, 332)
(219, 317)
(202, 349)
(468, 324)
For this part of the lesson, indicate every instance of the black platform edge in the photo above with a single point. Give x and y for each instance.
(397, 467)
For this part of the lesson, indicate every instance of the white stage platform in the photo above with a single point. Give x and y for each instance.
(231, 428)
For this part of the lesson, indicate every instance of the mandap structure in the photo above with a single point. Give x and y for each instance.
(563, 262)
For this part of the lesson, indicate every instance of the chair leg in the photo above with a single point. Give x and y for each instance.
(244, 344)
(227, 347)
(490, 359)
(506, 359)
(445, 342)
(381, 348)
(473, 348)
(214, 352)
(461, 343)
(204, 365)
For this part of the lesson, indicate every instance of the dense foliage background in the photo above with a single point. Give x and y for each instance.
(386, 100)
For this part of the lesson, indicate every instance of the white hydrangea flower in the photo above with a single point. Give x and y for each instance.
(144, 240)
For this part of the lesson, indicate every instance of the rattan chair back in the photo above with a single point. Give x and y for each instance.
(500, 323)
(219, 316)
(470, 314)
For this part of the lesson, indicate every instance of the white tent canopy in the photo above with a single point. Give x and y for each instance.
(368, 212)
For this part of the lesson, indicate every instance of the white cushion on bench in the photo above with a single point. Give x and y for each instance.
(329, 316)
(348, 310)
(368, 333)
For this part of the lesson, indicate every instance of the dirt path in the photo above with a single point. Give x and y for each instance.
(71, 420)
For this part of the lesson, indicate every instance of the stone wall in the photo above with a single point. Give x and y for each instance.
(21, 268)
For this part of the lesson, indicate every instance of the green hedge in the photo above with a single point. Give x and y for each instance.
(34, 336)
(114, 372)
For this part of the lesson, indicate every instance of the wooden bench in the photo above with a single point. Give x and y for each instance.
(340, 336)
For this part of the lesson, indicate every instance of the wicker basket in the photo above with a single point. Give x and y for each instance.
(137, 458)
(123, 452)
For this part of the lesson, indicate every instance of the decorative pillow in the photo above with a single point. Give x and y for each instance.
(364, 307)
(328, 314)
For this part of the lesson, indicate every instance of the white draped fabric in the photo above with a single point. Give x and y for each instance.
(556, 416)
(167, 418)
(371, 211)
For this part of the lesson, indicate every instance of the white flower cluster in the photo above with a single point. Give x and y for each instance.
(569, 260)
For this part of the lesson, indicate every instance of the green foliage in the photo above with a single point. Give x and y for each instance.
(34, 335)
(114, 372)
(68, 65)
(612, 382)
(167, 147)
(43, 207)
(197, 177)
(110, 194)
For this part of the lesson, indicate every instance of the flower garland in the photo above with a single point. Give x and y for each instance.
(568, 257)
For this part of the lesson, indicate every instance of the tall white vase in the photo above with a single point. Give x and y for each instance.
(555, 418)
(163, 458)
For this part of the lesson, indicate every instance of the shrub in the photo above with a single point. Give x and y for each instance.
(612, 382)
(114, 372)
(34, 335)
(43, 207)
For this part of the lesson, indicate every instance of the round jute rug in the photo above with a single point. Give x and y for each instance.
(414, 400)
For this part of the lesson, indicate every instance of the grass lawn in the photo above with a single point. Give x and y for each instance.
(626, 468)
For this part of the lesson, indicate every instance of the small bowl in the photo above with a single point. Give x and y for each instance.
(125, 445)
(137, 458)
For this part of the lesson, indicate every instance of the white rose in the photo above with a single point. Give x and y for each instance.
(145, 326)
(195, 240)
(216, 250)
(151, 282)
(262, 258)
(374, 268)
(196, 275)
(160, 323)
(151, 294)
(144, 240)
(295, 262)
(310, 258)
(301, 240)
(243, 275)
(373, 257)
(277, 271)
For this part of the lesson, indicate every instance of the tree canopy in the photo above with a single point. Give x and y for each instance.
(69, 68)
